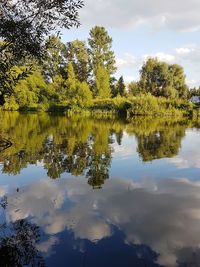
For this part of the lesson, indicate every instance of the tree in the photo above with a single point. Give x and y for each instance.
(154, 77)
(76, 52)
(194, 92)
(24, 25)
(178, 80)
(121, 87)
(78, 93)
(162, 79)
(53, 59)
(100, 49)
(83, 95)
(102, 82)
(31, 90)
(71, 81)
(134, 88)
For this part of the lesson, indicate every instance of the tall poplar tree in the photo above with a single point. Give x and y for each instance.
(100, 49)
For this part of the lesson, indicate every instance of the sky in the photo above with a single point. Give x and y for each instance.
(168, 30)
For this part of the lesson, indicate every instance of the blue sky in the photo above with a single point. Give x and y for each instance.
(143, 28)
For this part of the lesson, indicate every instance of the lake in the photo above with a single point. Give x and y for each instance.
(84, 192)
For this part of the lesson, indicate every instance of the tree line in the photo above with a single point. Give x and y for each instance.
(40, 73)
(76, 73)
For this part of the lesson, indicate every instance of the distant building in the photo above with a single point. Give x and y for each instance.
(195, 99)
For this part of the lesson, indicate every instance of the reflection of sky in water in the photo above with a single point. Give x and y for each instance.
(146, 214)
(161, 217)
(126, 161)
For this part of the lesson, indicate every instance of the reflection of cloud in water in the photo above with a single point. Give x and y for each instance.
(165, 216)
(189, 157)
(126, 150)
(3, 191)
(47, 245)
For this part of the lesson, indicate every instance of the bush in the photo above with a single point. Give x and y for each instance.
(10, 104)
(157, 106)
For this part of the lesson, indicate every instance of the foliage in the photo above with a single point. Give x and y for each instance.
(24, 26)
(83, 96)
(102, 82)
(100, 50)
(53, 59)
(162, 79)
(157, 106)
(77, 77)
(76, 52)
(120, 88)
(134, 89)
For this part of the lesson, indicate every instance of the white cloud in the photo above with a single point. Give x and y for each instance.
(183, 50)
(161, 56)
(128, 61)
(129, 78)
(187, 56)
(191, 83)
(174, 15)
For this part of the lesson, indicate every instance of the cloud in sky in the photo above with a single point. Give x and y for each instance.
(176, 15)
(142, 28)
(187, 56)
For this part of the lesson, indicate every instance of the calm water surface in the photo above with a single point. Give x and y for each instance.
(81, 192)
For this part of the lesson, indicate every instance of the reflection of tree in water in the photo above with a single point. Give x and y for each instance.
(91, 158)
(4, 144)
(77, 161)
(75, 145)
(82, 146)
(18, 243)
(163, 142)
(119, 137)
(53, 159)
(98, 169)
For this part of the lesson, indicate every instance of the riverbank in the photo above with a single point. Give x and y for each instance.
(143, 105)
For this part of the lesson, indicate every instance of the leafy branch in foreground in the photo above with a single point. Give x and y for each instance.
(24, 25)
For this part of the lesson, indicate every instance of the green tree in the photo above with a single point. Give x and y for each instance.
(24, 26)
(53, 60)
(76, 52)
(134, 88)
(78, 93)
(83, 96)
(178, 80)
(102, 83)
(162, 79)
(71, 82)
(154, 77)
(121, 87)
(100, 49)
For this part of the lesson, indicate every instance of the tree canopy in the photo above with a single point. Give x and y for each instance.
(162, 79)
(100, 49)
(24, 25)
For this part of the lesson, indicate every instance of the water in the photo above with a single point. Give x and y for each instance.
(95, 192)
